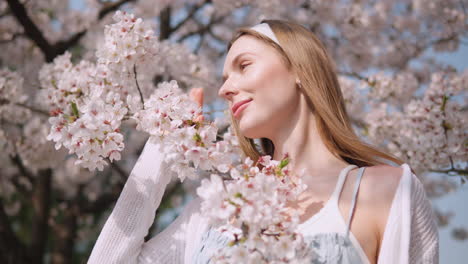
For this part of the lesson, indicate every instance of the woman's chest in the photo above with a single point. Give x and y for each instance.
(320, 216)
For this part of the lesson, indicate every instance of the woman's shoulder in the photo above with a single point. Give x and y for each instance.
(379, 187)
(380, 182)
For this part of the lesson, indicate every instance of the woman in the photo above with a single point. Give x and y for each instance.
(282, 88)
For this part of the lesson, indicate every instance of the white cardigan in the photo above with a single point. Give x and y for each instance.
(410, 236)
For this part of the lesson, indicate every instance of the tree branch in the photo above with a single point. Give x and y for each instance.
(41, 208)
(11, 248)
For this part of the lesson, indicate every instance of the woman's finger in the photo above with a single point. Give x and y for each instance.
(196, 94)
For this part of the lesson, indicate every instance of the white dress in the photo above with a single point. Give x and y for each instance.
(410, 236)
(327, 234)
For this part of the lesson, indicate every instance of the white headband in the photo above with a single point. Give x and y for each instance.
(265, 29)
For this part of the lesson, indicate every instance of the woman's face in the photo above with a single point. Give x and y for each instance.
(255, 71)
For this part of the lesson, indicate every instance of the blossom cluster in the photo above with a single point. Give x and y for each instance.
(168, 116)
(430, 131)
(251, 209)
(11, 97)
(128, 43)
(88, 103)
(392, 88)
(84, 118)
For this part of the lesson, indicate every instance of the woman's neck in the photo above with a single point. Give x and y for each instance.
(300, 139)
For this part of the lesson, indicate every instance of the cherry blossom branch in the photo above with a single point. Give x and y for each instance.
(31, 30)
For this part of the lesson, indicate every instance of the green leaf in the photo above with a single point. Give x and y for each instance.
(75, 109)
(284, 163)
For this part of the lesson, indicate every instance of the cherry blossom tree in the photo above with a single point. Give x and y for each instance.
(83, 84)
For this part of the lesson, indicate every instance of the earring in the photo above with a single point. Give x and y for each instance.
(299, 85)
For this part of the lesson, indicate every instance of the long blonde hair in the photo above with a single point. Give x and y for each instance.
(303, 51)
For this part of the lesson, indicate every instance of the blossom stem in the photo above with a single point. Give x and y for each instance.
(138, 86)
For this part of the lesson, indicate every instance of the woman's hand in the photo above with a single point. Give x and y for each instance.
(196, 94)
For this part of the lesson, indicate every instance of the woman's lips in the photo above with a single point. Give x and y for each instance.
(241, 108)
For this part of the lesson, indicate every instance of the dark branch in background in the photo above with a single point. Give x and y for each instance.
(216, 37)
(190, 15)
(41, 206)
(11, 249)
(463, 7)
(355, 75)
(23, 191)
(448, 171)
(66, 231)
(104, 201)
(31, 30)
(165, 205)
(23, 170)
(199, 44)
(6, 13)
(165, 23)
(33, 109)
(122, 173)
(203, 28)
(111, 7)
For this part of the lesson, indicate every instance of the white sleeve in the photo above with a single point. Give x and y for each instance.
(122, 237)
(411, 234)
(424, 243)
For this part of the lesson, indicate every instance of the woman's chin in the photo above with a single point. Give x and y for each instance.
(250, 128)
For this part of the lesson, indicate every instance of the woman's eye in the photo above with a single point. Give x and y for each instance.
(243, 66)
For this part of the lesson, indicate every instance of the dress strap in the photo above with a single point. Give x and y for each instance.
(339, 185)
(353, 202)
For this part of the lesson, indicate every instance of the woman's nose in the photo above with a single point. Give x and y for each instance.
(227, 91)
